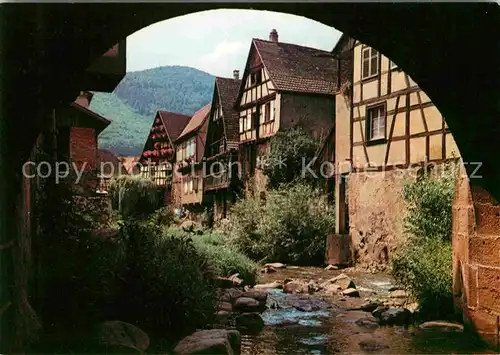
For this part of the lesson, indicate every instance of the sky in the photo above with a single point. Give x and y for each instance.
(218, 41)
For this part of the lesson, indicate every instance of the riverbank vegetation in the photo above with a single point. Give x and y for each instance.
(424, 264)
(291, 226)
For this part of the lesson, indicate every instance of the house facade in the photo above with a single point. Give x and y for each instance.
(283, 86)
(158, 156)
(221, 149)
(188, 173)
(387, 129)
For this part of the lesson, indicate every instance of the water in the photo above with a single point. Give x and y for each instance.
(329, 328)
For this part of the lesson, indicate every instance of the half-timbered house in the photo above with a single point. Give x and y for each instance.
(387, 129)
(188, 174)
(284, 85)
(221, 149)
(158, 156)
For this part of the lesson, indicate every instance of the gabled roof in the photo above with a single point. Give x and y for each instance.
(297, 68)
(174, 123)
(100, 120)
(227, 89)
(105, 156)
(196, 121)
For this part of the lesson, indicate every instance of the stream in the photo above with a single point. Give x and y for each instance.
(329, 326)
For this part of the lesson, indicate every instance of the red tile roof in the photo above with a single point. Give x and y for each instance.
(297, 68)
(196, 121)
(174, 123)
(227, 89)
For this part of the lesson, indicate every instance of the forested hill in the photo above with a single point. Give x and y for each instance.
(134, 102)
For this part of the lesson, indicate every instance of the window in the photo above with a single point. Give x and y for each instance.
(191, 147)
(255, 78)
(267, 112)
(392, 65)
(254, 120)
(370, 63)
(376, 122)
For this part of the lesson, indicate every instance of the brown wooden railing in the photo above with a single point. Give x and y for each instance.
(216, 180)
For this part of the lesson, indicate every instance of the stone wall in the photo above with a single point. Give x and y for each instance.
(376, 211)
(476, 259)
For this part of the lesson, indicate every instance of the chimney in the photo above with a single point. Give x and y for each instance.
(273, 36)
(236, 74)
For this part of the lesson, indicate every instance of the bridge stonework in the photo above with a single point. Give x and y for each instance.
(476, 259)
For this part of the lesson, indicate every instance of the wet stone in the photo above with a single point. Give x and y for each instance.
(250, 322)
(246, 304)
(395, 316)
(372, 345)
(377, 312)
(442, 326)
(368, 323)
(351, 292)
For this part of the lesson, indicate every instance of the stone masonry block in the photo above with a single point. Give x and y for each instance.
(489, 288)
(485, 251)
(484, 322)
(471, 286)
(487, 219)
(463, 219)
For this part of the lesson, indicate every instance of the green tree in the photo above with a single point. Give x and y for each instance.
(289, 151)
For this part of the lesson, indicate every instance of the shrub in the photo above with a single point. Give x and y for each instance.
(224, 259)
(163, 216)
(287, 151)
(167, 291)
(429, 204)
(134, 196)
(425, 269)
(291, 226)
(424, 265)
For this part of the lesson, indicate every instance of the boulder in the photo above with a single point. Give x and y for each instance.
(296, 286)
(368, 306)
(213, 341)
(121, 335)
(268, 270)
(307, 304)
(271, 285)
(250, 322)
(247, 304)
(351, 292)
(331, 267)
(225, 306)
(260, 296)
(442, 325)
(312, 287)
(398, 294)
(342, 280)
(371, 344)
(395, 316)
(377, 312)
(275, 265)
(235, 279)
(332, 289)
(367, 322)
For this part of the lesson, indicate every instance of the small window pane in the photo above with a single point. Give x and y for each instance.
(366, 53)
(366, 68)
(374, 65)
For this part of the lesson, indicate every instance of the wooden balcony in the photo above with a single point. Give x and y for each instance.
(216, 181)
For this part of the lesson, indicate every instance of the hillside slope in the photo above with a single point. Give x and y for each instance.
(134, 102)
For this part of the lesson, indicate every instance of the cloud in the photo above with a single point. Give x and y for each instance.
(218, 41)
(224, 49)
